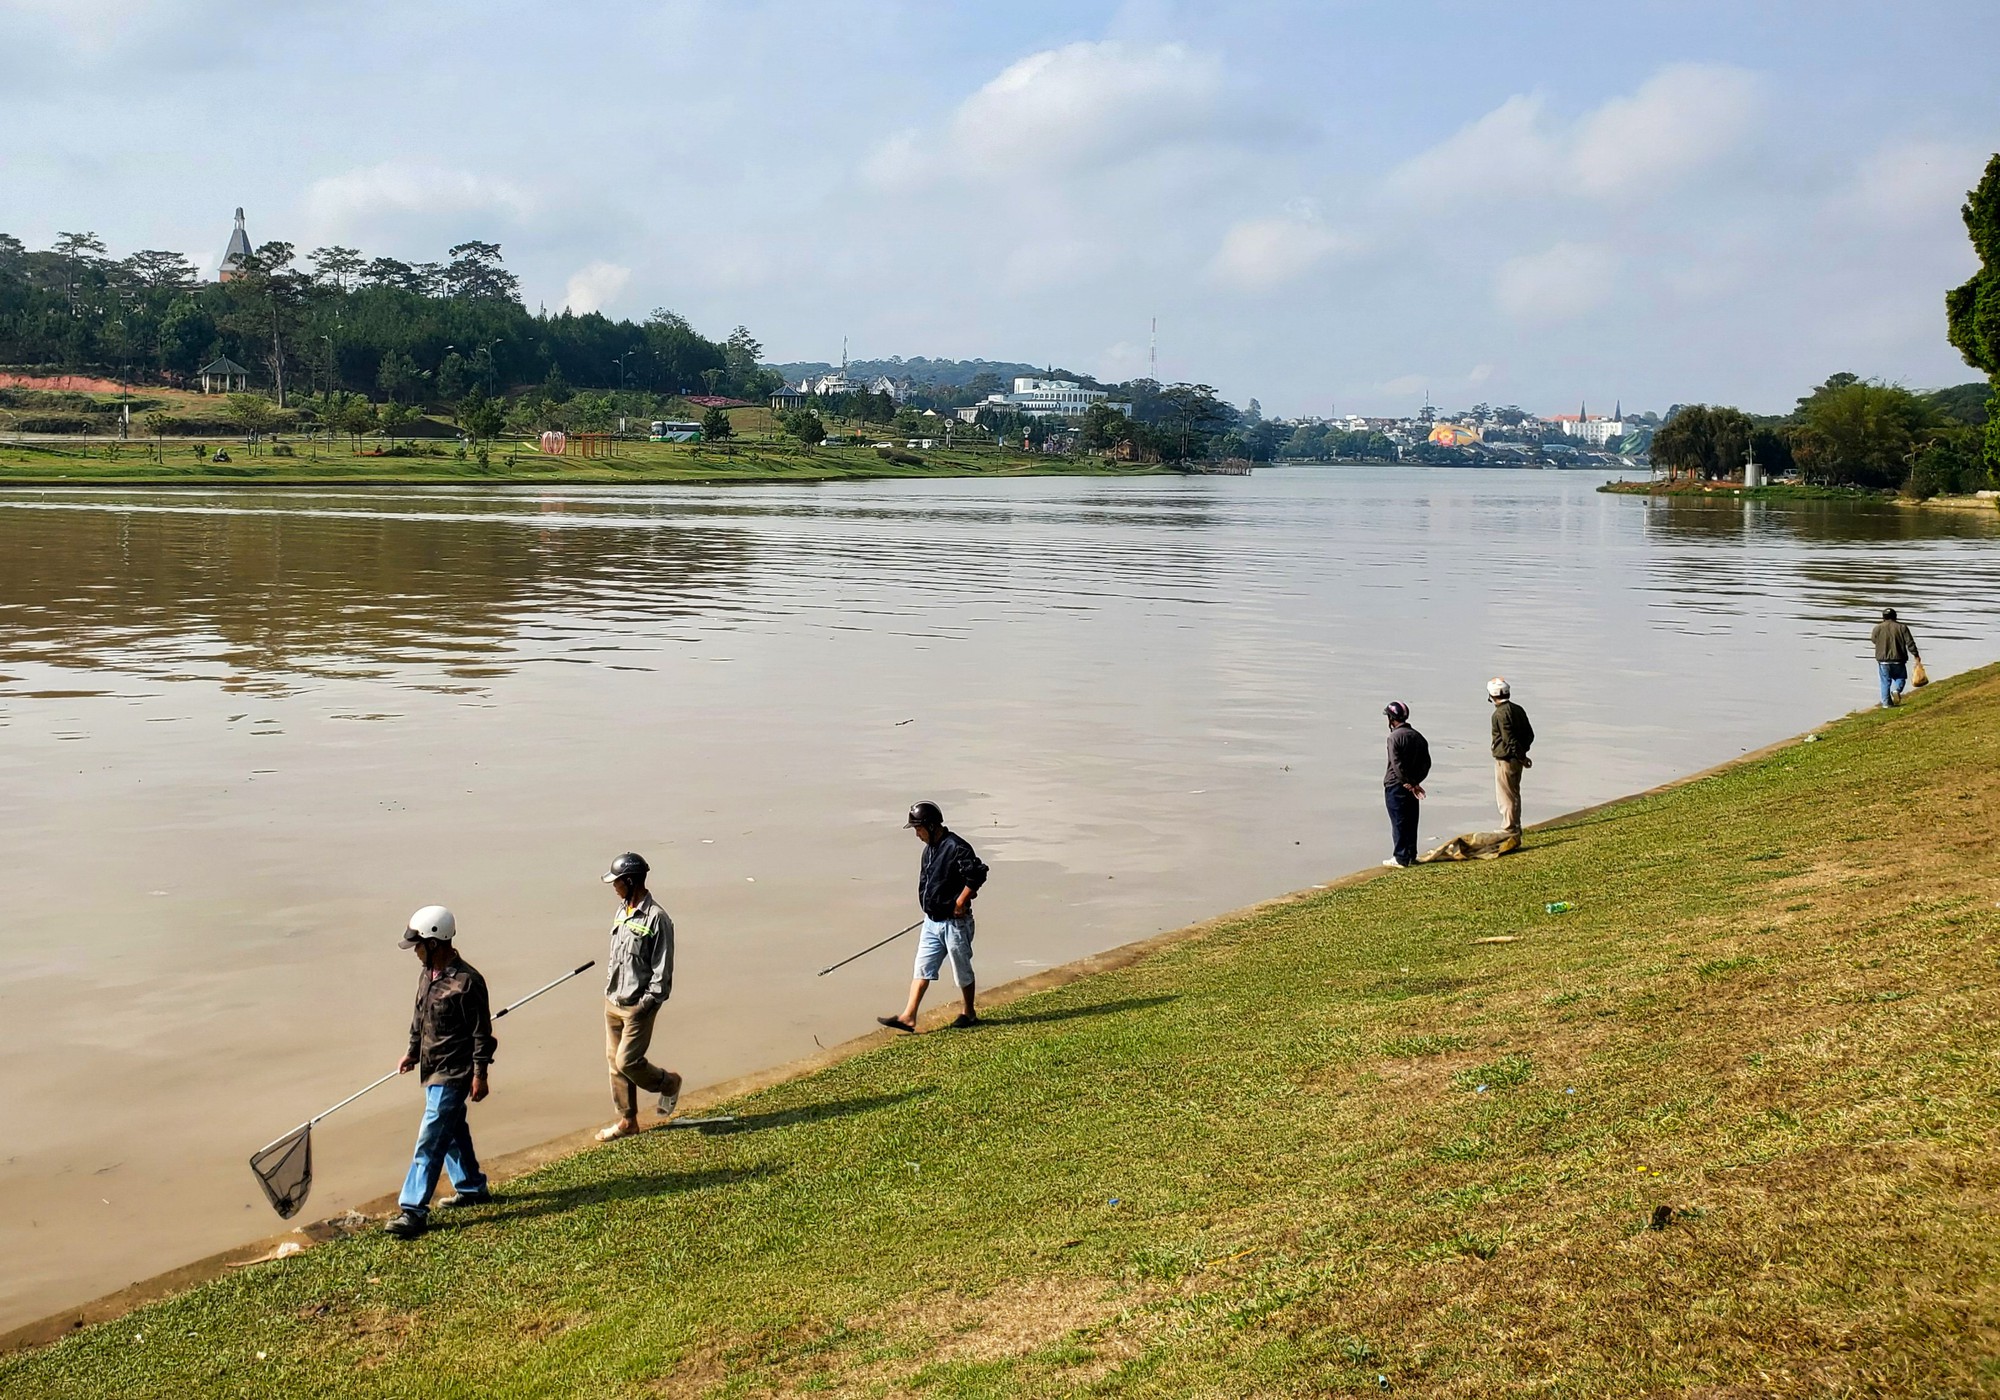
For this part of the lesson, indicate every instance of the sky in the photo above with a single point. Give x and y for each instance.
(1332, 206)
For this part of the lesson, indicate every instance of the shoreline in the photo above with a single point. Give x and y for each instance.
(1736, 491)
(112, 1306)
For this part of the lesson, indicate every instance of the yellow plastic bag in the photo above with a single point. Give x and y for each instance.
(1918, 675)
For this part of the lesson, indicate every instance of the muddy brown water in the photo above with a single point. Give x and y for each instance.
(244, 733)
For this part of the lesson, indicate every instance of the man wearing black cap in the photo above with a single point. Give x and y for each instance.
(639, 978)
(1894, 646)
(947, 882)
(451, 1041)
(1403, 784)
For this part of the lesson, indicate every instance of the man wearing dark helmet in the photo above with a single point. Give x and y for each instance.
(1403, 784)
(639, 978)
(947, 881)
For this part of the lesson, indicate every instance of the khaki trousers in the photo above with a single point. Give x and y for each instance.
(627, 1033)
(1507, 787)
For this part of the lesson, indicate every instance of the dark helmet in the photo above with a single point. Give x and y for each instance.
(630, 866)
(1397, 711)
(1888, 614)
(925, 814)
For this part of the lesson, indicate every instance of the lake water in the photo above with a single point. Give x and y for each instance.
(244, 733)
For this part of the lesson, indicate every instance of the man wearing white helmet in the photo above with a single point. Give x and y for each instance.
(451, 1041)
(1512, 736)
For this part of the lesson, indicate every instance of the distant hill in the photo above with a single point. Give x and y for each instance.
(945, 374)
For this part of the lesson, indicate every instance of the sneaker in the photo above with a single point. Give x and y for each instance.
(407, 1225)
(1393, 863)
(481, 1197)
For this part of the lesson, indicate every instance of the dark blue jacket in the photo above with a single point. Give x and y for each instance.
(949, 866)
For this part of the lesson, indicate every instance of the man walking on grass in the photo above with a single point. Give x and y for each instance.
(1512, 736)
(1403, 784)
(451, 1041)
(1894, 647)
(948, 879)
(638, 981)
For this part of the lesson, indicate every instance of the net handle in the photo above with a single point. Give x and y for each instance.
(394, 1072)
(324, 1112)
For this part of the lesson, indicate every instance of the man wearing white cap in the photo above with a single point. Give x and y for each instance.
(1512, 736)
(451, 1041)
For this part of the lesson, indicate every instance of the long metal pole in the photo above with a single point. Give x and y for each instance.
(514, 1006)
(539, 990)
(872, 947)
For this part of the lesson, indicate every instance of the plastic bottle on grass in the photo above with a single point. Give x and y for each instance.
(1560, 906)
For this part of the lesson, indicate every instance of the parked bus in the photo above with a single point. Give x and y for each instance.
(675, 430)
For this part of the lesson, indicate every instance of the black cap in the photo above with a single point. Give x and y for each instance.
(630, 866)
(925, 814)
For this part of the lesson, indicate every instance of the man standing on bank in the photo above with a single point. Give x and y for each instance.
(1403, 784)
(1512, 737)
(451, 1041)
(1894, 646)
(639, 980)
(947, 882)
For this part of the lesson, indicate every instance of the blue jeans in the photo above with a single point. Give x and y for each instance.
(444, 1144)
(1402, 804)
(1894, 674)
(941, 936)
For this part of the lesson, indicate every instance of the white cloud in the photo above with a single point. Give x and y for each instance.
(591, 287)
(1085, 106)
(1559, 284)
(1909, 183)
(1258, 255)
(1509, 146)
(1681, 121)
(365, 199)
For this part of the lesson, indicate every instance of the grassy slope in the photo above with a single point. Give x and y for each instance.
(515, 464)
(1261, 1162)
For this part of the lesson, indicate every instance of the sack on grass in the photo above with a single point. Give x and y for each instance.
(1475, 845)
(1918, 675)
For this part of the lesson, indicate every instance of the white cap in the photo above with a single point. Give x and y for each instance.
(431, 921)
(1498, 689)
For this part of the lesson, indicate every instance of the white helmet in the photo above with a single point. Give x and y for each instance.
(1498, 689)
(431, 921)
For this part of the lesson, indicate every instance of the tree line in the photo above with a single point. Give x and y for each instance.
(339, 323)
(1852, 431)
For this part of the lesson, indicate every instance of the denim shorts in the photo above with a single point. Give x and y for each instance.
(941, 936)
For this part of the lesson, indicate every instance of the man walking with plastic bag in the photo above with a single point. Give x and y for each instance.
(1512, 736)
(1895, 649)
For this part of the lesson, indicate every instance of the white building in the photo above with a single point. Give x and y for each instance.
(1050, 398)
(1598, 431)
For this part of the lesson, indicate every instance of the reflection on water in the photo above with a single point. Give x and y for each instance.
(246, 732)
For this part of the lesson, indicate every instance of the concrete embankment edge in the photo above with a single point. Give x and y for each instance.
(115, 1305)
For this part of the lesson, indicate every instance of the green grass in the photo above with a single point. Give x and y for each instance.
(1324, 1142)
(512, 463)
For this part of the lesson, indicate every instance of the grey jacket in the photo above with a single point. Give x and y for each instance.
(1893, 641)
(640, 969)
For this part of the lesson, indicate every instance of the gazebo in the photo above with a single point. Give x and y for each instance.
(224, 376)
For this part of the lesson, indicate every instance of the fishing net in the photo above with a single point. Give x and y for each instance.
(285, 1171)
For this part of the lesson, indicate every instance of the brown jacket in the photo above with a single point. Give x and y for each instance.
(451, 1029)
